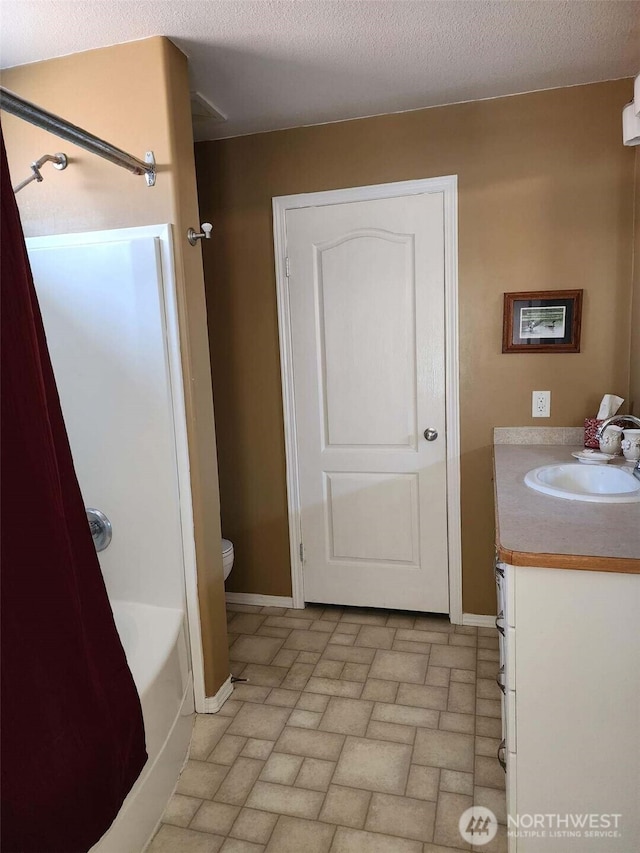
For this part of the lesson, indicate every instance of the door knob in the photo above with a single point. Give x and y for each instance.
(431, 434)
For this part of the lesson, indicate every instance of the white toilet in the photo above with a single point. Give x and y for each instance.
(227, 557)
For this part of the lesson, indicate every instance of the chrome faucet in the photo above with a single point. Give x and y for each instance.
(616, 419)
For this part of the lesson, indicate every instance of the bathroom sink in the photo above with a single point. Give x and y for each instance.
(575, 482)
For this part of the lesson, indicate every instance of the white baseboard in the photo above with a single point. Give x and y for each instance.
(212, 704)
(260, 600)
(477, 621)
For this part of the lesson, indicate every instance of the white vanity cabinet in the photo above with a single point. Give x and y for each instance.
(570, 648)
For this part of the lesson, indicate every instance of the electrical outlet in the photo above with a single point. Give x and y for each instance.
(541, 404)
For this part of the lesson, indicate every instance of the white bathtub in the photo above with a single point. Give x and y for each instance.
(155, 642)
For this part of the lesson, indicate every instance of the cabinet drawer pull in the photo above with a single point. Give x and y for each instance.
(500, 681)
(501, 759)
(499, 625)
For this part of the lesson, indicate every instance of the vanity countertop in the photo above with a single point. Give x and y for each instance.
(539, 530)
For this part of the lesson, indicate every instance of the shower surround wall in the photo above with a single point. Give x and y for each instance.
(94, 90)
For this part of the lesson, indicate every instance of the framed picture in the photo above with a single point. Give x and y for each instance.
(542, 321)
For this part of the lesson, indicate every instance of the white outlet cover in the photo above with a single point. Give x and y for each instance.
(540, 404)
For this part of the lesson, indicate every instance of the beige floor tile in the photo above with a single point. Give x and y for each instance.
(257, 748)
(499, 844)
(347, 628)
(180, 810)
(262, 675)
(207, 731)
(412, 648)
(259, 721)
(217, 818)
(305, 719)
(450, 807)
(488, 708)
(288, 622)
(436, 748)
(335, 687)
(462, 640)
(346, 716)
(413, 636)
(312, 702)
(422, 696)
(401, 816)
(423, 783)
(267, 631)
(169, 839)
(488, 642)
(281, 768)
(438, 676)
(232, 607)
(470, 630)
(321, 625)
(373, 765)
(489, 727)
(268, 610)
(315, 774)
(343, 639)
(201, 779)
(405, 715)
(311, 744)
(245, 623)
(375, 637)
(308, 657)
(306, 641)
(355, 672)
(350, 654)
(332, 613)
(456, 657)
(390, 731)
(462, 698)
(253, 825)
(433, 623)
(282, 799)
(466, 676)
(401, 620)
(399, 666)
(298, 676)
(230, 708)
(380, 691)
(488, 668)
(487, 632)
(488, 654)
(228, 749)
(235, 845)
(438, 848)
(248, 693)
(346, 806)
(285, 657)
(283, 698)
(487, 688)
(239, 781)
(452, 722)
(487, 746)
(361, 616)
(329, 669)
(356, 841)
(491, 798)
(293, 835)
(255, 649)
(456, 782)
(489, 773)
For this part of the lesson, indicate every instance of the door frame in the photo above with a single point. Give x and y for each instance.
(448, 186)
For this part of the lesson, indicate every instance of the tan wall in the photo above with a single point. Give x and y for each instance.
(136, 96)
(545, 202)
(634, 390)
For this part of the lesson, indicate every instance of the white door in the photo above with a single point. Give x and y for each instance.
(366, 298)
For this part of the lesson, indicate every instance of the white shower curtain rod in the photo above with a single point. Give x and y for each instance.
(12, 103)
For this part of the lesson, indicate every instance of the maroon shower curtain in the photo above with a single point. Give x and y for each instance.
(72, 732)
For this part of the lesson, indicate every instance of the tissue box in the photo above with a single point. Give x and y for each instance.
(590, 429)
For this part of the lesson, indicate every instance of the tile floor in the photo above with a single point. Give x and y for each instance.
(357, 730)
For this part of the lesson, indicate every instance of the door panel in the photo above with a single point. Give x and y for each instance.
(366, 293)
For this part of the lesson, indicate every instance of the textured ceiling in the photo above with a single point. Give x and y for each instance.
(269, 65)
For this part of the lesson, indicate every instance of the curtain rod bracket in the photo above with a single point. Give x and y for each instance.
(150, 174)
